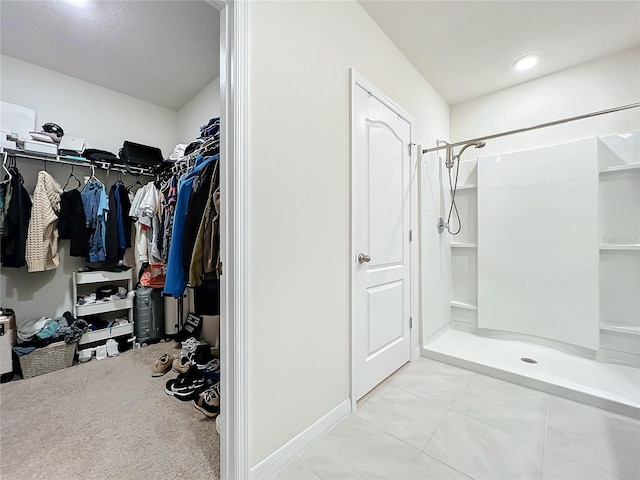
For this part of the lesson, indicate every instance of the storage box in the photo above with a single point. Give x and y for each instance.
(40, 147)
(47, 359)
(7, 334)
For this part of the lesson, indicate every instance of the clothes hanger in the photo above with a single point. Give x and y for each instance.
(137, 182)
(72, 175)
(8, 175)
(93, 175)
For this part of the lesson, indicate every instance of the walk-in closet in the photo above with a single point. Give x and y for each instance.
(110, 239)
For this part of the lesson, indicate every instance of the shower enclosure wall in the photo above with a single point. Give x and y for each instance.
(546, 265)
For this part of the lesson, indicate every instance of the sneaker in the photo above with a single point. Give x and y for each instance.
(181, 365)
(162, 365)
(202, 356)
(187, 385)
(211, 371)
(208, 402)
(189, 347)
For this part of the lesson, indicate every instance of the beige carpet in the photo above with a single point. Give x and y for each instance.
(104, 419)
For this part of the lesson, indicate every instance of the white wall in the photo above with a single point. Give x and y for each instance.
(605, 83)
(105, 118)
(299, 261)
(198, 111)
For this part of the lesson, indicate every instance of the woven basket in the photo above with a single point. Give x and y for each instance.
(55, 356)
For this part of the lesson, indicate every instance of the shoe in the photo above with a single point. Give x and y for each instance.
(187, 385)
(192, 328)
(211, 371)
(181, 365)
(162, 365)
(208, 402)
(189, 347)
(202, 356)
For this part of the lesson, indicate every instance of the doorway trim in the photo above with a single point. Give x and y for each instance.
(234, 339)
(355, 80)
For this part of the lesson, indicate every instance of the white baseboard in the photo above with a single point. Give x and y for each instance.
(279, 459)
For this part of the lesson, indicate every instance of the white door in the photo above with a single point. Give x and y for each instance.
(381, 196)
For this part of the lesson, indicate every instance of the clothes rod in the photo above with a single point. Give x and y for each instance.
(535, 127)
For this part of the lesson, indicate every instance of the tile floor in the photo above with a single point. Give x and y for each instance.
(435, 421)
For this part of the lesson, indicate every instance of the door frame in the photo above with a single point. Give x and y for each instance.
(234, 323)
(356, 79)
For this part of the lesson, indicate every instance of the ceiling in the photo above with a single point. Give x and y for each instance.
(467, 48)
(164, 52)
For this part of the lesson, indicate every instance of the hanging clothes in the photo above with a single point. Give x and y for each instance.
(16, 222)
(146, 210)
(42, 235)
(140, 251)
(195, 211)
(96, 208)
(5, 198)
(176, 282)
(118, 225)
(206, 244)
(72, 223)
(169, 206)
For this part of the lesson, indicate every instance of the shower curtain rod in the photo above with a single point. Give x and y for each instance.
(535, 127)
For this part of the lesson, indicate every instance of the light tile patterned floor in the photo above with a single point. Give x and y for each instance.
(435, 421)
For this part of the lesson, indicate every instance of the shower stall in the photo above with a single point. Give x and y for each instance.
(530, 265)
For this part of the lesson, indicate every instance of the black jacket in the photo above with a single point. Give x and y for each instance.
(72, 223)
(16, 223)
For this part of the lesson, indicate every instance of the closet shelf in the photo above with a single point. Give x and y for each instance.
(106, 333)
(622, 168)
(466, 187)
(77, 161)
(610, 327)
(629, 247)
(464, 245)
(101, 276)
(466, 306)
(103, 307)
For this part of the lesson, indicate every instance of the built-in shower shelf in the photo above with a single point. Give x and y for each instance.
(466, 187)
(609, 327)
(620, 168)
(466, 306)
(464, 245)
(633, 246)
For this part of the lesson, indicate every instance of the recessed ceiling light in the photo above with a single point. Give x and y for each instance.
(78, 3)
(526, 62)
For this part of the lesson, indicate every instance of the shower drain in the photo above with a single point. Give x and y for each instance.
(528, 360)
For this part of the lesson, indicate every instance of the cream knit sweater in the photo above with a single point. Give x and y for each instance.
(42, 236)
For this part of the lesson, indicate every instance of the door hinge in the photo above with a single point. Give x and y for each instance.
(220, 269)
(410, 322)
(411, 235)
(409, 148)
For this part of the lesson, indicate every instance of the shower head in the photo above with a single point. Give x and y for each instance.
(476, 145)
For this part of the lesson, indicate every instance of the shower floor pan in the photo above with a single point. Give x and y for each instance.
(604, 385)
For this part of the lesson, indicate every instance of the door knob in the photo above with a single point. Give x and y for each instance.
(362, 258)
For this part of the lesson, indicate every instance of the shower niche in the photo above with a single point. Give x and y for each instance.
(619, 221)
(600, 233)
